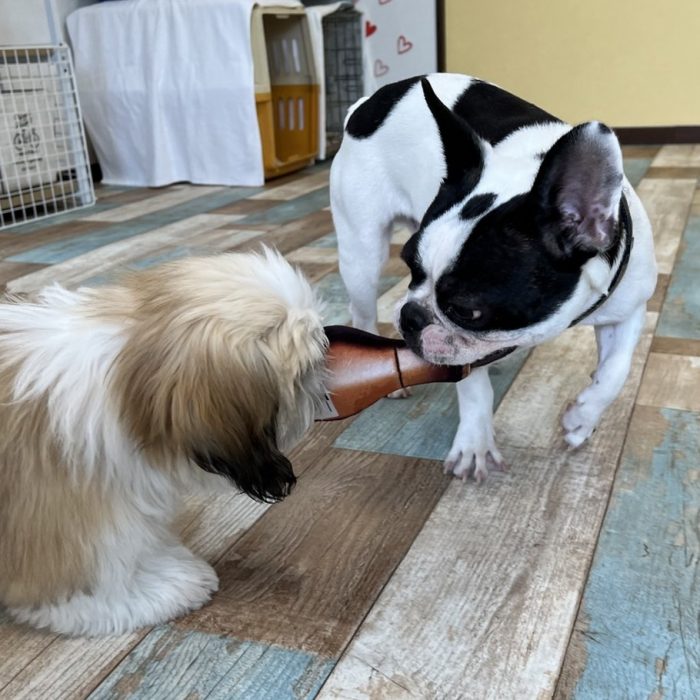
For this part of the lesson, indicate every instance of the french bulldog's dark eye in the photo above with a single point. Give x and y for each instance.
(462, 315)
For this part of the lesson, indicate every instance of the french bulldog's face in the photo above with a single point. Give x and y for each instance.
(491, 271)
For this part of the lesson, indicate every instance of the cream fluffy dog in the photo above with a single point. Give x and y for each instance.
(116, 402)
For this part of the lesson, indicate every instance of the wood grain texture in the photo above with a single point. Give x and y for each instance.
(202, 232)
(307, 572)
(639, 615)
(639, 151)
(335, 298)
(680, 315)
(678, 155)
(671, 381)
(300, 232)
(310, 254)
(19, 645)
(123, 195)
(167, 197)
(672, 172)
(395, 267)
(675, 346)
(386, 304)
(315, 272)
(71, 247)
(636, 169)
(68, 668)
(668, 203)
(245, 207)
(292, 209)
(695, 207)
(12, 244)
(498, 570)
(10, 271)
(179, 665)
(657, 300)
(297, 186)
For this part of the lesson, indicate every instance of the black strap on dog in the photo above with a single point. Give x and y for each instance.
(627, 242)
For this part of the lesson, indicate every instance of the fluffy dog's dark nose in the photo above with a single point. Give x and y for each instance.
(414, 318)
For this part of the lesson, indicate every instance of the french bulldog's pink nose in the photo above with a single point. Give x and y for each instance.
(414, 318)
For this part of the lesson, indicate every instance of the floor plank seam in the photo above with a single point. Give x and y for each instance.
(618, 463)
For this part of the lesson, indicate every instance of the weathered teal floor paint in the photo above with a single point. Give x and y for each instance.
(176, 665)
(680, 314)
(291, 210)
(142, 264)
(72, 247)
(635, 169)
(331, 291)
(330, 240)
(642, 600)
(424, 424)
(77, 215)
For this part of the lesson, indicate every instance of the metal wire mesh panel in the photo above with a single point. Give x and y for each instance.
(342, 53)
(43, 160)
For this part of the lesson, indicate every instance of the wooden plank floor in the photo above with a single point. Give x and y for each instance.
(574, 575)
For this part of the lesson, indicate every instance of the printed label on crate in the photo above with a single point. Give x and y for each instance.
(28, 154)
(27, 143)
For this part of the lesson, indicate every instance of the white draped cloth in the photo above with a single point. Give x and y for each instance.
(167, 90)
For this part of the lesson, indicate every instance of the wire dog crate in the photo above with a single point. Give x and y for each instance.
(43, 160)
(342, 55)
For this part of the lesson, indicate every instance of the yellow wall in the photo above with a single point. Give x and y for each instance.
(625, 62)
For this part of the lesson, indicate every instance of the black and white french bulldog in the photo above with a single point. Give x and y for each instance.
(524, 226)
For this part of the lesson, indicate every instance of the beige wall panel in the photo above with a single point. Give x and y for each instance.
(627, 62)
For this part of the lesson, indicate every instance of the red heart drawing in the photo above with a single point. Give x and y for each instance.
(403, 44)
(370, 28)
(380, 68)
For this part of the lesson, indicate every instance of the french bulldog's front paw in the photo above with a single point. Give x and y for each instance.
(400, 393)
(580, 420)
(476, 463)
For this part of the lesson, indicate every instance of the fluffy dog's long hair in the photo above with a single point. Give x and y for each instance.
(116, 402)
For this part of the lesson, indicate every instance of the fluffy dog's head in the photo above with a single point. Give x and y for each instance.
(223, 364)
(517, 242)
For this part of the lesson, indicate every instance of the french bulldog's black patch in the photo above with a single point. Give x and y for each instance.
(409, 255)
(477, 205)
(504, 277)
(495, 114)
(372, 113)
(464, 158)
(523, 259)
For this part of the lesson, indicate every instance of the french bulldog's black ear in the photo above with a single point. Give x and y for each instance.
(463, 152)
(260, 470)
(462, 147)
(577, 192)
